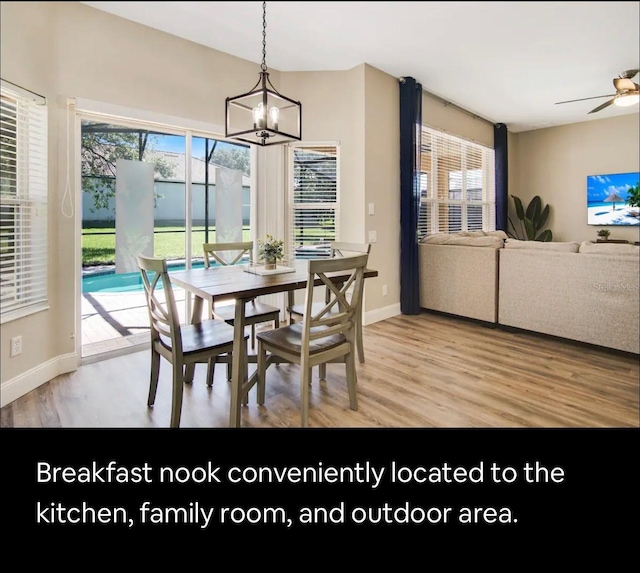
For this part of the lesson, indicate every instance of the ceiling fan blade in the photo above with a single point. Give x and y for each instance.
(623, 84)
(601, 107)
(629, 74)
(583, 99)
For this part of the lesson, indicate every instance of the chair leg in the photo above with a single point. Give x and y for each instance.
(229, 372)
(155, 372)
(262, 372)
(322, 371)
(305, 382)
(350, 363)
(245, 371)
(211, 367)
(359, 341)
(176, 399)
(253, 337)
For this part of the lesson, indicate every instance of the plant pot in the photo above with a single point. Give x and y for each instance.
(269, 264)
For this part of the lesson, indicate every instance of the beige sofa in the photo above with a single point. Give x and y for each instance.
(588, 293)
(459, 275)
(579, 291)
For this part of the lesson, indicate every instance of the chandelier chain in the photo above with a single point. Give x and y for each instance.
(263, 67)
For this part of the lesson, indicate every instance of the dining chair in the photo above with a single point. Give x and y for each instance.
(255, 312)
(327, 334)
(337, 249)
(179, 345)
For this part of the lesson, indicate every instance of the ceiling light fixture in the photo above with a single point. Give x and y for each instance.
(263, 116)
(628, 99)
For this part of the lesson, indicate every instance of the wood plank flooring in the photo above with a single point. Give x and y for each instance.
(428, 370)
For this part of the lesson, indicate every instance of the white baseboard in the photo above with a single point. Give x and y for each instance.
(22, 384)
(381, 314)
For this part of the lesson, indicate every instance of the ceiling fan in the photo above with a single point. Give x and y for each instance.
(627, 92)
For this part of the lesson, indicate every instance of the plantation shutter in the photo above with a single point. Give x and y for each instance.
(457, 188)
(23, 203)
(313, 200)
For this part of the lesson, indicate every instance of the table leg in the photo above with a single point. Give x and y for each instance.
(196, 318)
(238, 370)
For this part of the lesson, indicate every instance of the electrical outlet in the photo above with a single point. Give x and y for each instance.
(372, 209)
(373, 236)
(16, 346)
(385, 290)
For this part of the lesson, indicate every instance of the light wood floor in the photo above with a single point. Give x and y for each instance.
(420, 371)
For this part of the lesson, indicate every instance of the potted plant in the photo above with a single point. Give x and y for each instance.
(270, 250)
(603, 234)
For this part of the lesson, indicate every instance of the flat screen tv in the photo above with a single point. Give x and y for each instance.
(607, 199)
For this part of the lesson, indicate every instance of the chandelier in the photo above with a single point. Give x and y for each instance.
(263, 116)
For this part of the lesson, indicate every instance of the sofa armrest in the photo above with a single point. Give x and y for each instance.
(459, 280)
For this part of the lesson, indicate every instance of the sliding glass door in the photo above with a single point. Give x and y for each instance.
(159, 193)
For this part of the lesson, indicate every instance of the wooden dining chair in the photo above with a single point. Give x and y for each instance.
(337, 249)
(179, 345)
(255, 312)
(327, 334)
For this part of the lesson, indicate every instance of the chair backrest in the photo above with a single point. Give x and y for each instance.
(213, 250)
(163, 314)
(339, 312)
(341, 249)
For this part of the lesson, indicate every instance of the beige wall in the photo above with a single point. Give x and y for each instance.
(28, 41)
(554, 163)
(455, 121)
(382, 185)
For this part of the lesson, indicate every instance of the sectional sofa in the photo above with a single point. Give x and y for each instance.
(579, 291)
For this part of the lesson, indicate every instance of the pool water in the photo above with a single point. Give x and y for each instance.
(123, 282)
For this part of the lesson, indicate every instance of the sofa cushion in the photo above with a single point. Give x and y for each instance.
(609, 249)
(566, 247)
(456, 239)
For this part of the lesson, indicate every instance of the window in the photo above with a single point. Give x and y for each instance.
(457, 185)
(23, 204)
(313, 200)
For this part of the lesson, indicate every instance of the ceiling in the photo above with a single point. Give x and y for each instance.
(508, 62)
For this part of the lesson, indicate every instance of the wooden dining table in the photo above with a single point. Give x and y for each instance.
(215, 284)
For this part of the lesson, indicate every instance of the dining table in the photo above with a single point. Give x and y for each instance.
(241, 283)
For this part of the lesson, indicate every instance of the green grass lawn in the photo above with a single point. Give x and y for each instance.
(168, 242)
(99, 241)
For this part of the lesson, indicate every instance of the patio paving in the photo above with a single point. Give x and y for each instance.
(112, 321)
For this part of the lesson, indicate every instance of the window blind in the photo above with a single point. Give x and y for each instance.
(313, 184)
(23, 204)
(457, 185)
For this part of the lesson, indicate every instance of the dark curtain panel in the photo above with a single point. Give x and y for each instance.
(410, 142)
(502, 175)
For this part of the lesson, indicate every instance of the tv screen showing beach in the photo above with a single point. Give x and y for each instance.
(612, 199)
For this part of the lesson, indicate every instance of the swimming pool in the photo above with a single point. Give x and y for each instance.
(123, 282)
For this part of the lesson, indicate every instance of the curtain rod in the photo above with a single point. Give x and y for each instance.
(43, 98)
(447, 103)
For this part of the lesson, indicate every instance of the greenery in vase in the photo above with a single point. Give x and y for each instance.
(271, 249)
(604, 233)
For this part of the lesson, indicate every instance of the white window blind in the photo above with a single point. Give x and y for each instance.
(457, 185)
(23, 204)
(313, 200)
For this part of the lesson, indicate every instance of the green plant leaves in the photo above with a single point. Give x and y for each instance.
(546, 236)
(519, 208)
(543, 217)
(534, 208)
(533, 219)
(530, 229)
